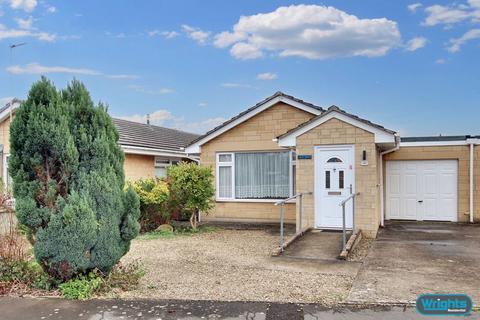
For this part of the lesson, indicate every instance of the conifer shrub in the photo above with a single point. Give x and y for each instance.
(68, 181)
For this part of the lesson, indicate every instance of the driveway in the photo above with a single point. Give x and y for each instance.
(410, 258)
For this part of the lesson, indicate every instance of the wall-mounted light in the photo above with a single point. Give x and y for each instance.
(364, 158)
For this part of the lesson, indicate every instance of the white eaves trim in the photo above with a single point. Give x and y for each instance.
(381, 136)
(152, 152)
(6, 113)
(439, 143)
(196, 147)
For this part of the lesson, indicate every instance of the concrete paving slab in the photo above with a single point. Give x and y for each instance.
(411, 258)
(316, 244)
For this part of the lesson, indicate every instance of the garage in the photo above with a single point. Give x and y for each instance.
(422, 190)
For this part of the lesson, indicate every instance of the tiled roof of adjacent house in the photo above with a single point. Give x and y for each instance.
(149, 136)
(438, 138)
(141, 135)
(8, 104)
(275, 95)
(337, 109)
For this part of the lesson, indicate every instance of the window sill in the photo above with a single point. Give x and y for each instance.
(254, 200)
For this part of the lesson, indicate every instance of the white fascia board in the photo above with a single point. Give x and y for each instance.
(153, 152)
(193, 149)
(196, 147)
(381, 136)
(6, 113)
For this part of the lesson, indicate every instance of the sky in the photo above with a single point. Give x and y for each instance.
(410, 66)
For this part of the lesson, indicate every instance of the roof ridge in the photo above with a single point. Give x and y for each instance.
(155, 126)
(258, 104)
(334, 108)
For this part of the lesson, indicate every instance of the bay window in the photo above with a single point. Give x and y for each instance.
(255, 175)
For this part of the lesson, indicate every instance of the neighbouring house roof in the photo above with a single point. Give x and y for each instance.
(438, 138)
(5, 110)
(137, 137)
(194, 146)
(288, 138)
(134, 134)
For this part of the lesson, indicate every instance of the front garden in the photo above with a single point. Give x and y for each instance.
(75, 217)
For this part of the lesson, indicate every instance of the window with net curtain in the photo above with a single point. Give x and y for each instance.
(258, 175)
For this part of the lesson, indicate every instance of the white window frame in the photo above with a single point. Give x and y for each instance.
(231, 164)
(164, 164)
(6, 177)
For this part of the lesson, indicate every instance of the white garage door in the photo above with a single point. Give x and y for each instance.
(422, 190)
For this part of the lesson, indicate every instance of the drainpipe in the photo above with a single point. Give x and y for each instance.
(472, 143)
(382, 192)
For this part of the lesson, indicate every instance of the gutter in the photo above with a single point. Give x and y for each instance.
(382, 187)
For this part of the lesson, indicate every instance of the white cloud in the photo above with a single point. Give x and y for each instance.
(123, 76)
(26, 5)
(235, 85)
(203, 104)
(200, 126)
(440, 61)
(21, 33)
(452, 14)
(309, 31)
(142, 89)
(196, 34)
(51, 9)
(165, 118)
(267, 76)
(165, 34)
(456, 43)
(414, 6)
(244, 51)
(35, 68)
(25, 23)
(416, 43)
(156, 118)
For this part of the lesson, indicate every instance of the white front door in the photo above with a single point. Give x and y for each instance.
(422, 190)
(334, 182)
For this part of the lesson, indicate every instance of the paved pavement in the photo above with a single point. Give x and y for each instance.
(59, 309)
(410, 258)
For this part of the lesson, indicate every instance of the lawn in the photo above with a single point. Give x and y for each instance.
(230, 265)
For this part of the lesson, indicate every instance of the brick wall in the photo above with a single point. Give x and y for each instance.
(255, 134)
(332, 132)
(138, 166)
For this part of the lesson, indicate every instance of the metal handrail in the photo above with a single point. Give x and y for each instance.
(342, 204)
(281, 203)
(353, 195)
(287, 199)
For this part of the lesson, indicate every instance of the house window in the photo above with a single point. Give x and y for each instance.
(161, 165)
(334, 160)
(7, 180)
(341, 179)
(327, 179)
(255, 175)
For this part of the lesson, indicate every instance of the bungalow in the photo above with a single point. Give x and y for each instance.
(283, 147)
(148, 149)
